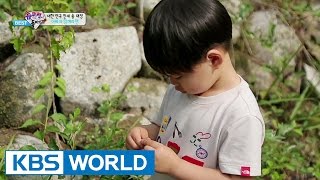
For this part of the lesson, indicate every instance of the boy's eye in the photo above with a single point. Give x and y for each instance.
(176, 76)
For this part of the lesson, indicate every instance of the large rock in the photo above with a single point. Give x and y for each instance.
(274, 44)
(313, 76)
(234, 7)
(146, 94)
(102, 56)
(20, 139)
(274, 40)
(5, 32)
(18, 83)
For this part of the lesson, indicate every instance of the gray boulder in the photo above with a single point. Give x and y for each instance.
(146, 94)
(98, 57)
(18, 83)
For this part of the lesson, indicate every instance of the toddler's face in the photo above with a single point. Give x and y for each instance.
(196, 82)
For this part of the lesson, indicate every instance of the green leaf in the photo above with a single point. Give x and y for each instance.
(116, 116)
(38, 108)
(30, 122)
(76, 113)
(290, 167)
(105, 88)
(58, 29)
(17, 44)
(60, 2)
(61, 85)
(61, 176)
(55, 48)
(300, 102)
(59, 67)
(301, 7)
(39, 134)
(71, 117)
(61, 80)
(46, 79)
(38, 93)
(60, 118)
(59, 92)
(298, 131)
(53, 128)
(28, 148)
(96, 89)
(27, 33)
(2, 16)
(52, 144)
(130, 5)
(2, 151)
(67, 40)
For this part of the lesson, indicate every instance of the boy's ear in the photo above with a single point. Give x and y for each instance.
(215, 57)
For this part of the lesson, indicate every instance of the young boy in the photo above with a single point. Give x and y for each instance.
(209, 125)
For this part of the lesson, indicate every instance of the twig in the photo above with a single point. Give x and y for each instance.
(109, 8)
(51, 98)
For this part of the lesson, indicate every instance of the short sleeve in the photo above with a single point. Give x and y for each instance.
(157, 119)
(240, 150)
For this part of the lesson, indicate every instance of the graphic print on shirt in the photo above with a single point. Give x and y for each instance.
(201, 153)
(193, 161)
(159, 139)
(198, 137)
(174, 146)
(164, 125)
(176, 129)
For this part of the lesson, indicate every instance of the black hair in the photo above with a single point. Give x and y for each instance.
(179, 32)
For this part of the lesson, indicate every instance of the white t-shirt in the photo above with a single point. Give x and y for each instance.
(224, 132)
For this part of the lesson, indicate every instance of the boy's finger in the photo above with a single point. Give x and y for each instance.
(149, 142)
(131, 144)
(144, 134)
(137, 141)
(148, 148)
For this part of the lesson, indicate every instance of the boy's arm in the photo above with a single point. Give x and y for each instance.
(168, 162)
(153, 130)
(185, 170)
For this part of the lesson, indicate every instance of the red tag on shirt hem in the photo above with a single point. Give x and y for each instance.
(245, 171)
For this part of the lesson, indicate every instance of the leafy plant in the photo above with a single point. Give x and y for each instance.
(110, 136)
(2, 157)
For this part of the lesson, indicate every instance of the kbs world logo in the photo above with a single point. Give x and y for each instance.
(74, 162)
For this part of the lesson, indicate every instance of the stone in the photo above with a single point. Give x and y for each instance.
(146, 94)
(98, 57)
(313, 76)
(18, 83)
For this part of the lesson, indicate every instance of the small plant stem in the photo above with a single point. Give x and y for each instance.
(8, 146)
(51, 97)
(110, 6)
(287, 62)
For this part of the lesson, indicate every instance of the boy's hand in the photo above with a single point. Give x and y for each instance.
(135, 136)
(166, 158)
